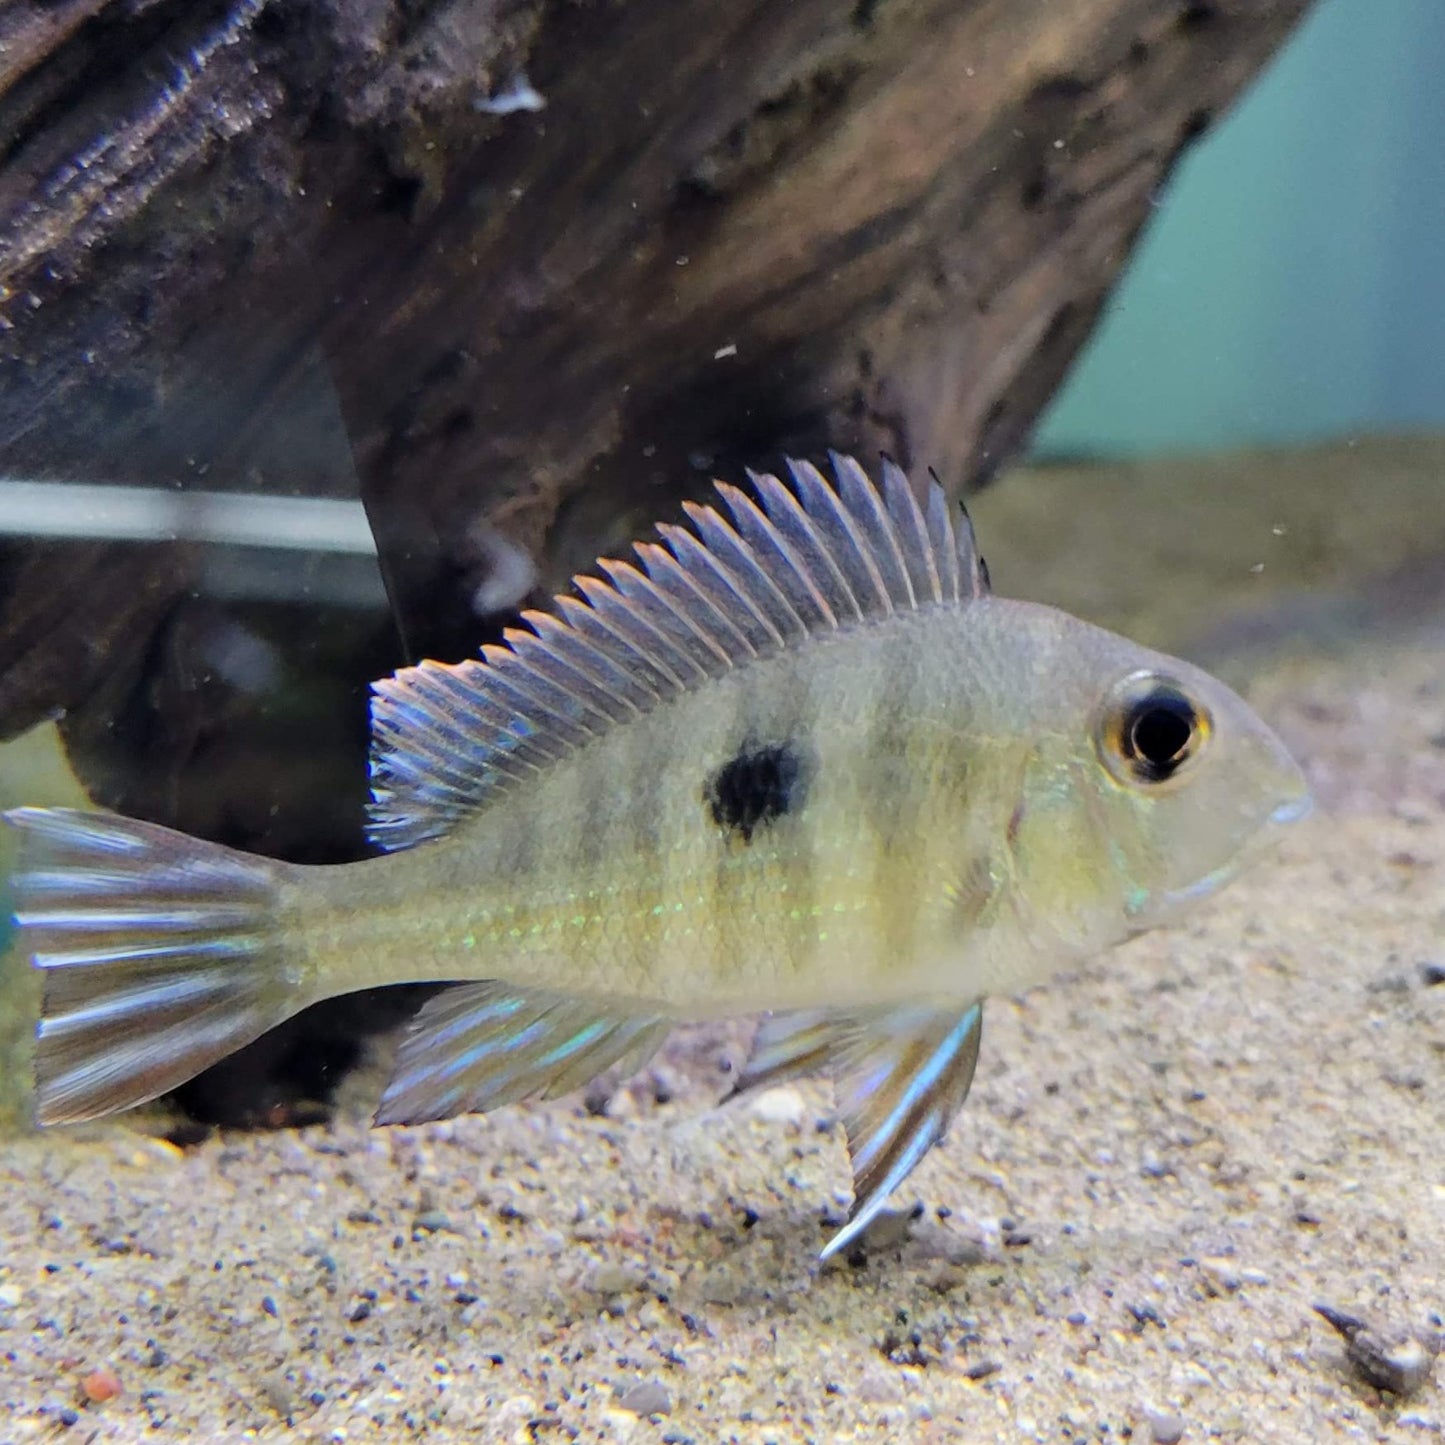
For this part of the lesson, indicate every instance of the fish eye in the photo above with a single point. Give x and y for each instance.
(1151, 730)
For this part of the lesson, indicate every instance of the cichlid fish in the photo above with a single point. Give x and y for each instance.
(797, 760)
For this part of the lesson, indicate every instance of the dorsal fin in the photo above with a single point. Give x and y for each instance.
(800, 561)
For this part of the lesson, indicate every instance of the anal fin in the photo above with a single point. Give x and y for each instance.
(901, 1075)
(478, 1046)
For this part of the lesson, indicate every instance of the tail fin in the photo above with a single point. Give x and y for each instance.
(160, 952)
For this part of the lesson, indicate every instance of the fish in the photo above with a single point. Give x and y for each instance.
(795, 759)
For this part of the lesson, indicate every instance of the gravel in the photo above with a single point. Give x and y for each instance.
(648, 1397)
(1244, 1049)
(1389, 1357)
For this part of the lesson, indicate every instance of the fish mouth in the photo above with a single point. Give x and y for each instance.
(1212, 882)
(1290, 811)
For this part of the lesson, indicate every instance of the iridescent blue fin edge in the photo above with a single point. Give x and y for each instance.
(900, 1074)
(478, 1046)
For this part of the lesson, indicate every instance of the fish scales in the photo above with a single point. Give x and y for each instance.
(710, 925)
(697, 927)
(795, 760)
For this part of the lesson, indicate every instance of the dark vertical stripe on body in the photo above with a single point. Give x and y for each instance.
(891, 793)
(523, 858)
(729, 905)
(800, 710)
(593, 802)
(645, 851)
(650, 761)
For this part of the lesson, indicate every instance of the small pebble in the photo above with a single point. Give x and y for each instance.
(615, 1279)
(1432, 973)
(10, 1296)
(663, 1084)
(783, 1105)
(100, 1385)
(647, 1397)
(934, 1242)
(1220, 1274)
(889, 1229)
(1392, 979)
(433, 1221)
(722, 1287)
(279, 1394)
(876, 1385)
(1164, 1429)
(512, 1415)
(1389, 1359)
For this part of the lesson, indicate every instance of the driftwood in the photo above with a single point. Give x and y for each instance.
(731, 229)
(557, 265)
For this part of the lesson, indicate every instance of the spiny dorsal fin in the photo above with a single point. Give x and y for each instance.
(799, 561)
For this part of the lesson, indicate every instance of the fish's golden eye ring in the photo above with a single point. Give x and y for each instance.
(1151, 730)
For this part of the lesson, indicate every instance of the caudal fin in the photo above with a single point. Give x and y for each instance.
(160, 954)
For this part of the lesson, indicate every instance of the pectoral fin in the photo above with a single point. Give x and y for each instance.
(900, 1074)
(480, 1045)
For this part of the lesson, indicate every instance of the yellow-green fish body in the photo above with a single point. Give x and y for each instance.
(899, 875)
(800, 761)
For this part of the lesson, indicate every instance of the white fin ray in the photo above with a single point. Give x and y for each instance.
(474, 693)
(812, 558)
(160, 955)
(556, 645)
(883, 542)
(939, 517)
(672, 617)
(790, 1045)
(915, 545)
(723, 547)
(786, 512)
(844, 541)
(775, 553)
(477, 1046)
(725, 603)
(900, 1074)
(898, 1090)
(631, 609)
(617, 661)
(533, 690)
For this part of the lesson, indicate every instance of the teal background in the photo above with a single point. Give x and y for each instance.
(1291, 287)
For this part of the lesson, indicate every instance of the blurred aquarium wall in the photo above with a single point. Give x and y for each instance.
(1292, 287)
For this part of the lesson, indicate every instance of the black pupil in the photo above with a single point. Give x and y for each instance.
(1160, 730)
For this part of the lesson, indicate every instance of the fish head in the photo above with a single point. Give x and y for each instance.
(1150, 785)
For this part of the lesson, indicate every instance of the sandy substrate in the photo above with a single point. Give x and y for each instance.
(1167, 1161)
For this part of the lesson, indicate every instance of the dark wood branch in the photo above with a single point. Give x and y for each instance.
(733, 229)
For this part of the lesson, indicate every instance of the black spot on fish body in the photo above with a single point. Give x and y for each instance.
(757, 787)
